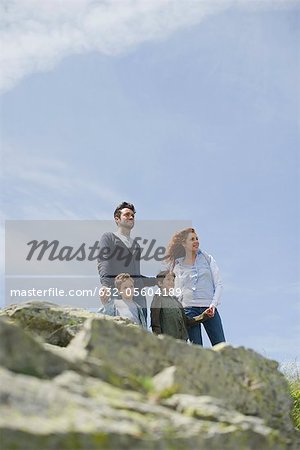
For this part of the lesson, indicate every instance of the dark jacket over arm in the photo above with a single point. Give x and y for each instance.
(156, 306)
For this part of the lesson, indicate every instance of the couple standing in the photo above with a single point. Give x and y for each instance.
(197, 275)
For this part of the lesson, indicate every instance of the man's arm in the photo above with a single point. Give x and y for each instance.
(148, 281)
(105, 261)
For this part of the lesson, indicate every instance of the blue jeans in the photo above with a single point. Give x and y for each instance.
(213, 327)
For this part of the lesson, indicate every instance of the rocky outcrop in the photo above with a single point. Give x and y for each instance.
(81, 412)
(21, 353)
(53, 323)
(116, 386)
(244, 379)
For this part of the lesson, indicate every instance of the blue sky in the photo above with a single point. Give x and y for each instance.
(189, 113)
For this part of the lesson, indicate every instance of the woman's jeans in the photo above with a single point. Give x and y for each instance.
(213, 327)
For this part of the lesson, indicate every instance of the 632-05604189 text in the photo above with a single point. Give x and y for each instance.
(113, 292)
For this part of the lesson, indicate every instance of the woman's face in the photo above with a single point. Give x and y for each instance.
(191, 244)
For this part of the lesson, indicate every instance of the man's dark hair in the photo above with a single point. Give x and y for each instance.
(123, 205)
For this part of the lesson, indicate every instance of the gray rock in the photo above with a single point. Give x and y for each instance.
(246, 381)
(21, 353)
(85, 413)
(53, 323)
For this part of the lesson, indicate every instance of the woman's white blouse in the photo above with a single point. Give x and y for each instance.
(200, 284)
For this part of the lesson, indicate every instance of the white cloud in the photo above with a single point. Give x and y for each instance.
(37, 35)
(43, 188)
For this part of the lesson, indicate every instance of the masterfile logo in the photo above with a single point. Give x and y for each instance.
(72, 247)
(54, 250)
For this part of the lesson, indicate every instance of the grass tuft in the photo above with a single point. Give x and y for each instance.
(292, 372)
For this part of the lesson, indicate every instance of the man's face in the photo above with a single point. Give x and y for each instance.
(126, 219)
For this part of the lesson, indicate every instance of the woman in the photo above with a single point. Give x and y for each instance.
(199, 282)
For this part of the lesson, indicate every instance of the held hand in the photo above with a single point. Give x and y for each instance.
(198, 318)
(202, 317)
(104, 294)
(210, 311)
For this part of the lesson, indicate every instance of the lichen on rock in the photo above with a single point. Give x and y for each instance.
(115, 386)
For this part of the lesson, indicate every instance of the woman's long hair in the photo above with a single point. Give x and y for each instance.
(175, 248)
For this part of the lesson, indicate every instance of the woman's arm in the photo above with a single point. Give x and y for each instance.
(218, 282)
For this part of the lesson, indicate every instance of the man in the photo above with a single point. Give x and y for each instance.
(119, 253)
